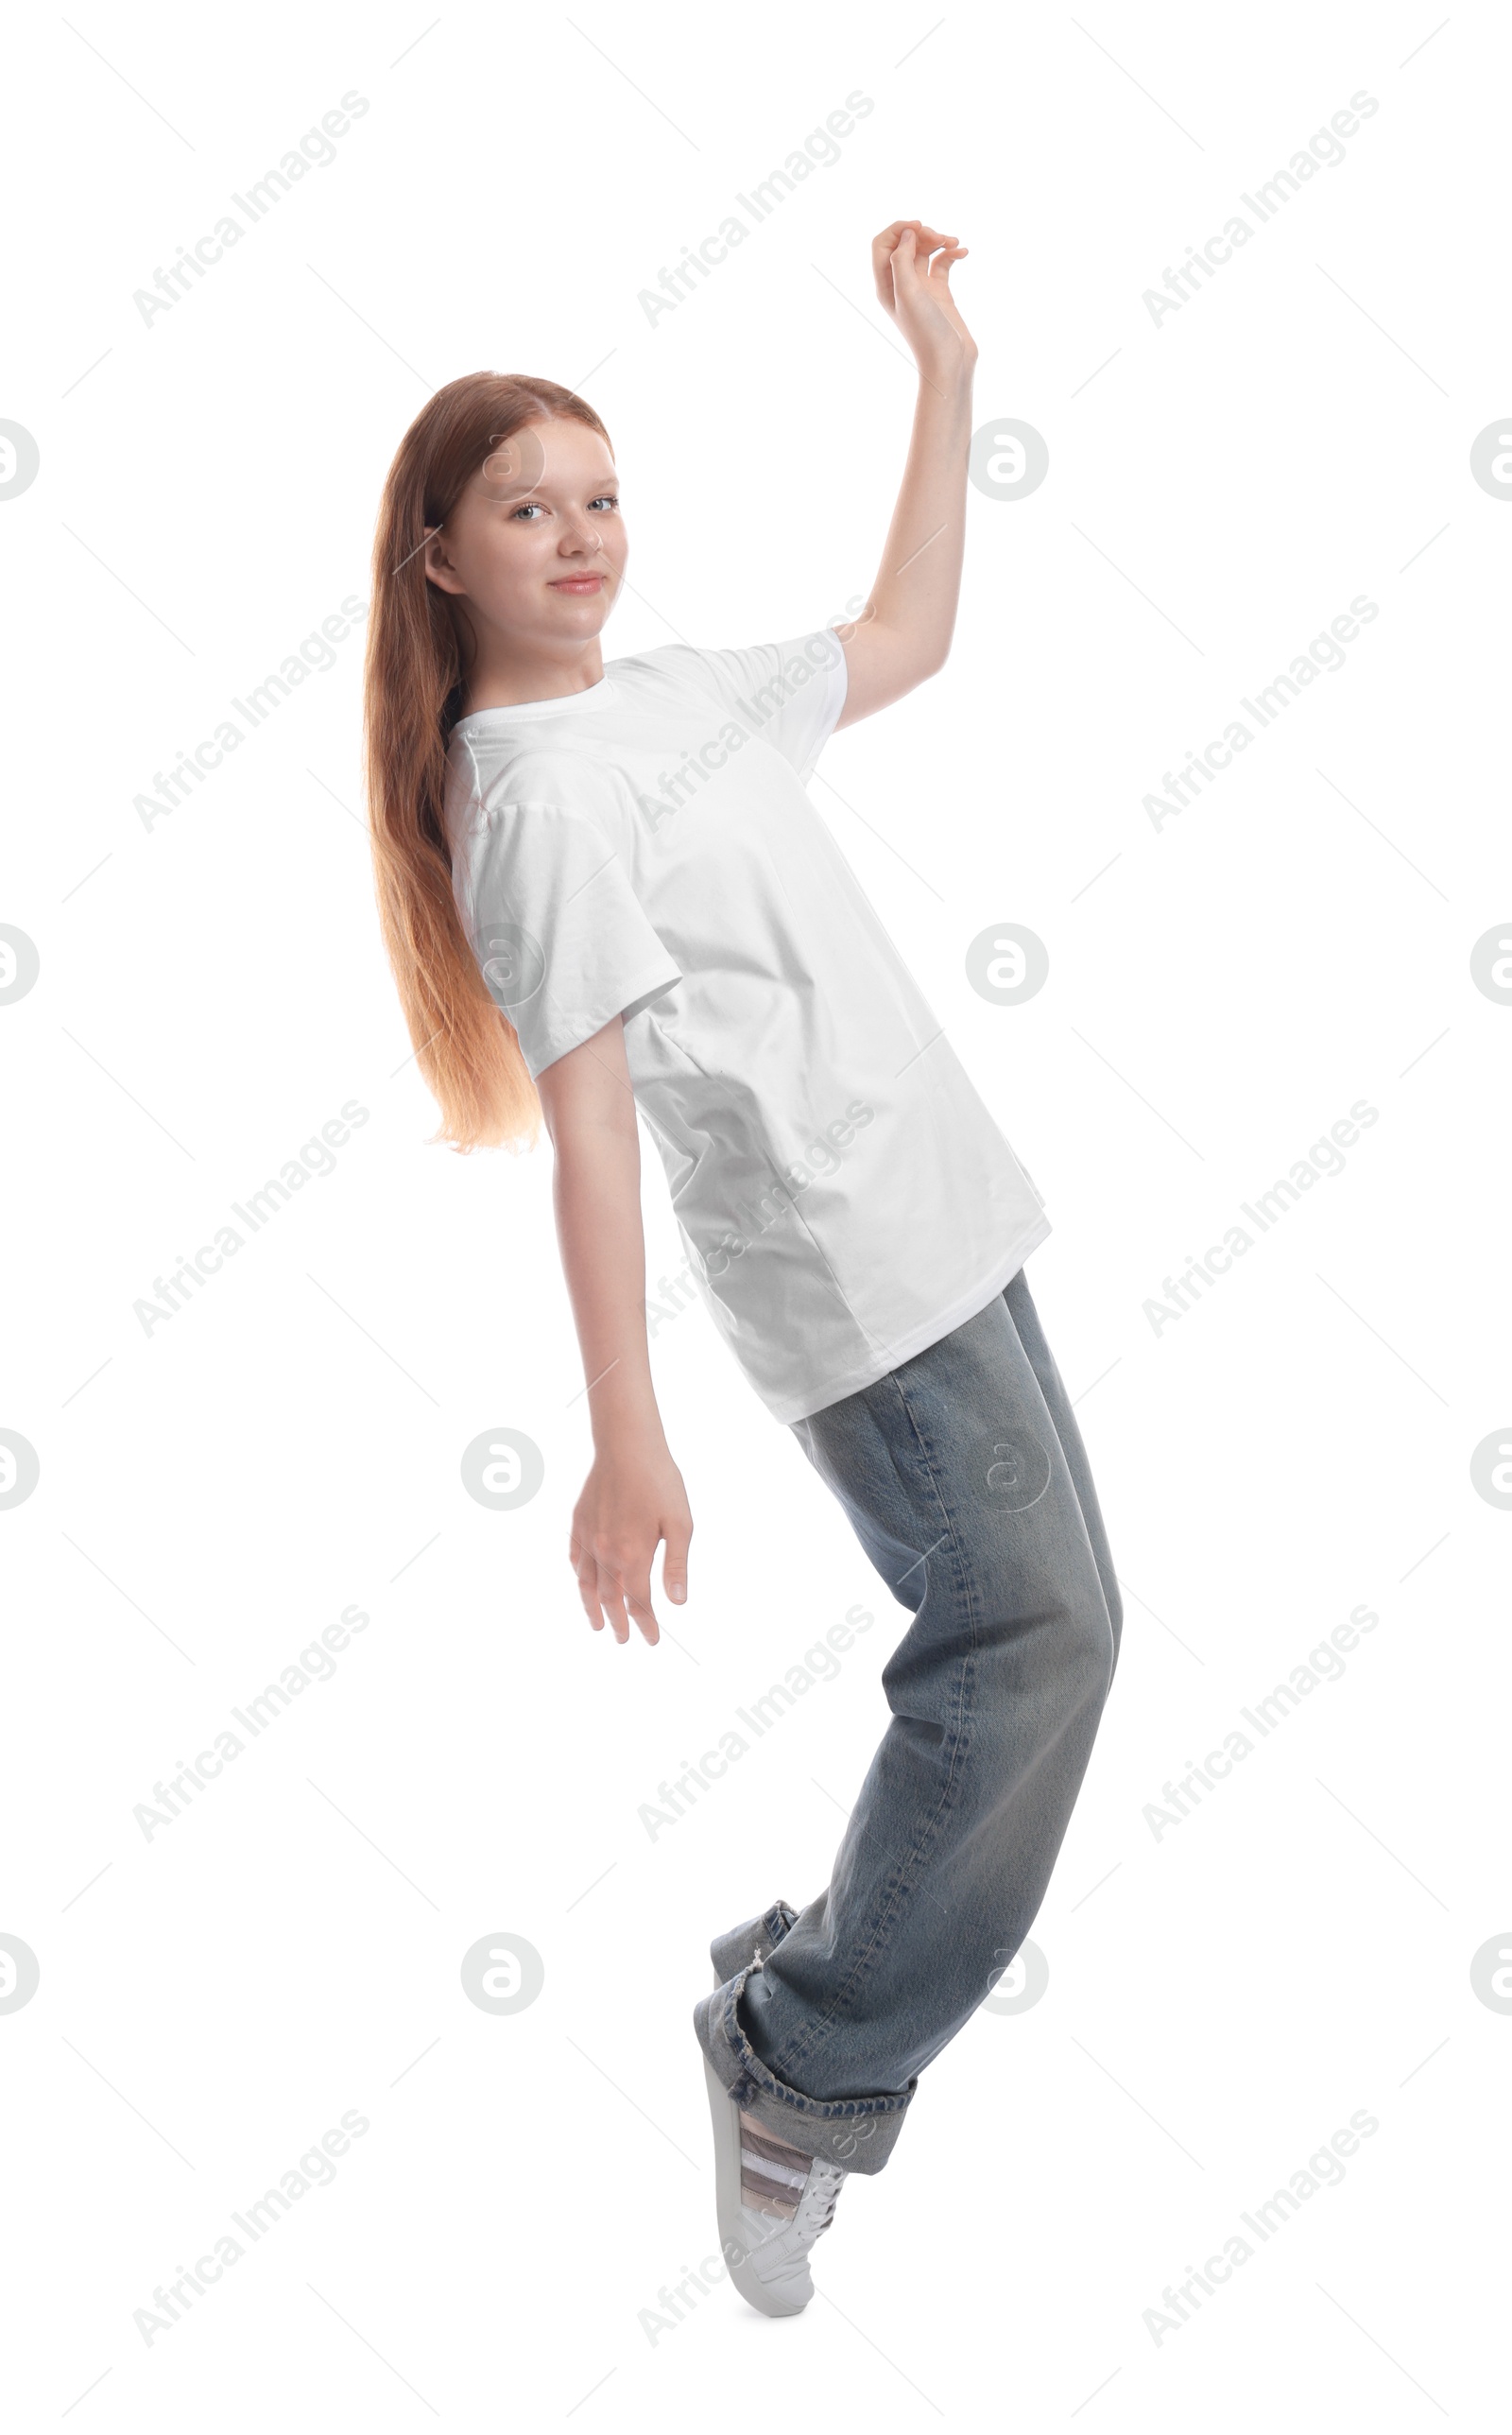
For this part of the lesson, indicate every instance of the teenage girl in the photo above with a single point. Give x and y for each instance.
(605, 891)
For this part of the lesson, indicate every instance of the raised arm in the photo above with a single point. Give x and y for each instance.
(634, 1497)
(904, 633)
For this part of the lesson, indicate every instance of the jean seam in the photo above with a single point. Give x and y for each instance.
(791, 2057)
(1051, 1369)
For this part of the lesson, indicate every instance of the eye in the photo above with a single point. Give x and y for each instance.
(606, 499)
(531, 508)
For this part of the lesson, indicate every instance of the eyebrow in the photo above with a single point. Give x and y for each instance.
(540, 490)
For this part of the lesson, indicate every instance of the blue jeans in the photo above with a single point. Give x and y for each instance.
(964, 1475)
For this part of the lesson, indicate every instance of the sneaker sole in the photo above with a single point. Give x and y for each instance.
(724, 2114)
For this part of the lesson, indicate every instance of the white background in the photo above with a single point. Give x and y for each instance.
(1220, 990)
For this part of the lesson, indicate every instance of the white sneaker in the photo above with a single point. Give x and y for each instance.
(773, 2202)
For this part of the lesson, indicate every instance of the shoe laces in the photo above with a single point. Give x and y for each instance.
(824, 2186)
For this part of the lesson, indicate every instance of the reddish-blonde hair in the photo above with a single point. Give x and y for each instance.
(466, 1047)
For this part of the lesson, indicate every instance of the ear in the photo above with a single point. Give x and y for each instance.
(438, 561)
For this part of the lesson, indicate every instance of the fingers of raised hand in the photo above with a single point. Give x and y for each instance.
(884, 246)
(945, 261)
(927, 237)
(910, 248)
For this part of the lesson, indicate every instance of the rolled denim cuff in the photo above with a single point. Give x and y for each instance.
(752, 1941)
(858, 2133)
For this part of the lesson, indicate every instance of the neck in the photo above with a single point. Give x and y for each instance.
(506, 674)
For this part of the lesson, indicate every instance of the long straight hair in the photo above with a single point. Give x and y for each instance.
(466, 1049)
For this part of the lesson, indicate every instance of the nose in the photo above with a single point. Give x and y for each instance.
(581, 537)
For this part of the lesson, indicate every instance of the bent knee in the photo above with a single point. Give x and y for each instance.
(1066, 1637)
(1091, 1635)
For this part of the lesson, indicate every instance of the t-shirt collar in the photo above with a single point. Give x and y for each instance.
(566, 705)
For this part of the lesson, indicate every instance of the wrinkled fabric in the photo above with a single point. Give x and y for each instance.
(646, 847)
(964, 1478)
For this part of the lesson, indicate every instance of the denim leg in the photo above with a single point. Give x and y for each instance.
(965, 1480)
(1057, 1402)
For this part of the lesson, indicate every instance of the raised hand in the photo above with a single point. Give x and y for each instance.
(912, 265)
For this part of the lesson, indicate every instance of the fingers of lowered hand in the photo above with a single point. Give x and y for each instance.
(638, 1599)
(678, 1532)
(584, 1573)
(610, 1591)
(613, 1575)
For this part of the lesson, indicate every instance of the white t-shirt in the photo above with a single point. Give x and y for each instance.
(646, 847)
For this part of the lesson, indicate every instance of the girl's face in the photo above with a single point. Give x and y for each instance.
(536, 545)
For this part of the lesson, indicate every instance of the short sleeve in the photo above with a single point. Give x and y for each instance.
(562, 941)
(791, 694)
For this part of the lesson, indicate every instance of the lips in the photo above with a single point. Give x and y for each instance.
(584, 583)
